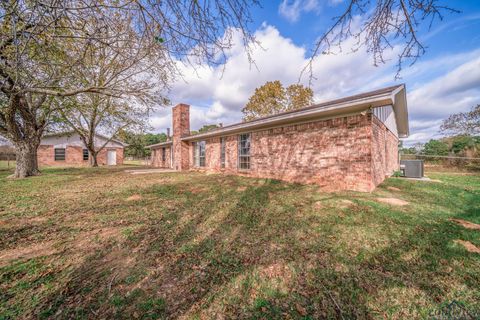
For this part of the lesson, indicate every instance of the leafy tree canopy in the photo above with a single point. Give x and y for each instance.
(435, 148)
(137, 142)
(273, 98)
(205, 128)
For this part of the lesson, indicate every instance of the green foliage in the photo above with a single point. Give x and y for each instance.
(273, 98)
(435, 147)
(460, 143)
(138, 141)
(410, 150)
(397, 174)
(205, 128)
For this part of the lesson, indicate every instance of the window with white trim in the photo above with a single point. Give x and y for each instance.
(199, 154)
(244, 151)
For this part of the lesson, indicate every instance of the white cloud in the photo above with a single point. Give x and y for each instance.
(217, 94)
(455, 91)
(291, 10)
(436, 88)
(334, 2)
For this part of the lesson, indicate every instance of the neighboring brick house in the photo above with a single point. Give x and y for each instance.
(344, 144)
(67, 149)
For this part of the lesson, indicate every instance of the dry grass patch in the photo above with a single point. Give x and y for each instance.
(390, 303)
(27, 252)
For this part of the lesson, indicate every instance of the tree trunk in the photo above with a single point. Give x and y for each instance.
(93, 159)
(26, 159)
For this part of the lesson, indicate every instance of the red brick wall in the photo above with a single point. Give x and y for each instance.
(73, 156)
(212, 155)
(347, 153)
(181, 128)
(157, 160)
(334, 153)
(384, 151)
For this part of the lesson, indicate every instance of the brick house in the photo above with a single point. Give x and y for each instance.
(344, 144)
(67, 149)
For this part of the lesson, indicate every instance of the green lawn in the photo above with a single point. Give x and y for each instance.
(4, 165)
(100, 243)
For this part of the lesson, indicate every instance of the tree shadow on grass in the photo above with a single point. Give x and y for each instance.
(168, 268)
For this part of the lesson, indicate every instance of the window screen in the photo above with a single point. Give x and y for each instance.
(59, 154)
(244, 151)
(85, 154)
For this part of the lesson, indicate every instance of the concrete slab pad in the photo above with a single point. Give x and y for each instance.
(148, 171)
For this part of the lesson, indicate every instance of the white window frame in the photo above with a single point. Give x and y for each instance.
(244, 146)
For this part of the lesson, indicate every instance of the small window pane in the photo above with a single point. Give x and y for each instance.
(222, 152)
(60, 154)
(85, 154)
(199, 153)
(244, 151)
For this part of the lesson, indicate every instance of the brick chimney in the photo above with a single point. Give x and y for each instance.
(181, 128)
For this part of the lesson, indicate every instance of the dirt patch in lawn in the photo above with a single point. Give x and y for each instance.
(344, 203)
(134, 197)
(393, 201)
(27, 252)
(86, 240)
(318, 205)
(466, 224)
(393, 189)
(470, 247)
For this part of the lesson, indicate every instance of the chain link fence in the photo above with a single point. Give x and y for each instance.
(7, 160)
(465, 163)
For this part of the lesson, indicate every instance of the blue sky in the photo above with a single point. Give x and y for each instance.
(445, 80)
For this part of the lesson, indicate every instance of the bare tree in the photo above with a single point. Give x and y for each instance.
(91, 115)
(383, 24)
(463, 123)
(45, 46)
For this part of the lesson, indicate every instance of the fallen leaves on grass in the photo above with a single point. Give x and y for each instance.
(393, 201)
